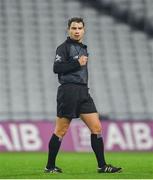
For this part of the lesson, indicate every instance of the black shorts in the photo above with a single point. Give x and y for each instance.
(73, 100)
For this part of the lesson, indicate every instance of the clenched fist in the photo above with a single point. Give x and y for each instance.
(83, 60)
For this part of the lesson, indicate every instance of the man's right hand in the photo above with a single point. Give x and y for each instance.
(83, 60)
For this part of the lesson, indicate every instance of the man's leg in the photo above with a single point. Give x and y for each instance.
(62, 125)
(93, 123)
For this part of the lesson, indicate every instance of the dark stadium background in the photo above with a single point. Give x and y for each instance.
(119, 35)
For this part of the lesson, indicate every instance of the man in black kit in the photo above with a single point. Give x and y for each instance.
(73, 98)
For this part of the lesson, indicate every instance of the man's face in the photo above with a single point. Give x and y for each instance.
(76, 31)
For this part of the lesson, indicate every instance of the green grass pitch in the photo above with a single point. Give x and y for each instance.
(75, 165)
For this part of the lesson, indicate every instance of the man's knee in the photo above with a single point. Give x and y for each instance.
(96, 129)
(62, 125)
(61, 131)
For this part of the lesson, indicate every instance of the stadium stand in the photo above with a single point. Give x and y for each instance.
(121, 57)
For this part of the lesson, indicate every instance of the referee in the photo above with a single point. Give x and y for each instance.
(73, 98)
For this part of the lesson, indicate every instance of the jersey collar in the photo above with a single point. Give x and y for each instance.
(69, 40)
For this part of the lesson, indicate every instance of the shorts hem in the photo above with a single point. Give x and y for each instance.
(88, 112)
(66, 116)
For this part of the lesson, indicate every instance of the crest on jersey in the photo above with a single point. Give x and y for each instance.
(76, 57)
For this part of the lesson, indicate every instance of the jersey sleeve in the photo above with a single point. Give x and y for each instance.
(61, 63)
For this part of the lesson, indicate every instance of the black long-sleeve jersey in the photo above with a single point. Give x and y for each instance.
(66, 63)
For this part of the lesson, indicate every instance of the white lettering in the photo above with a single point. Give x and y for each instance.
(128, 136)
(84, 134)
(142, 136)
(115, 137)
(30, 137)
(15, 137)
(4, 139)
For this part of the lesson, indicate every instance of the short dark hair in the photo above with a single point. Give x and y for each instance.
(75, 19)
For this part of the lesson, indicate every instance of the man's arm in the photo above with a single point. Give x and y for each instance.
(66, 66)
(61, 63)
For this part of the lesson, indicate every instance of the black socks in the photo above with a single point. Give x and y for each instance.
(96, 143)
(98, 148)
(54, 146)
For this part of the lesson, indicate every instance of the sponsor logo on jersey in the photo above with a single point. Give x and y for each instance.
(58, 58)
